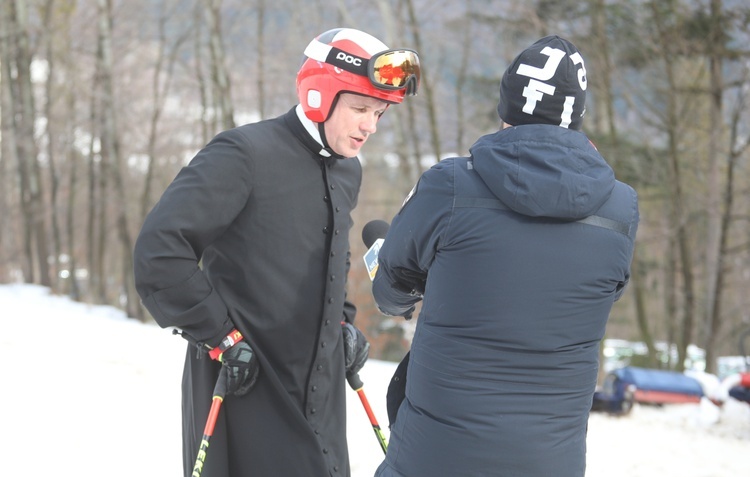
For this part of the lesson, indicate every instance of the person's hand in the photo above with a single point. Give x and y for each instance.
(242, 368)
(356, 348)
(408, 313)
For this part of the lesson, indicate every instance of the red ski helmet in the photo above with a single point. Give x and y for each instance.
(352, 61)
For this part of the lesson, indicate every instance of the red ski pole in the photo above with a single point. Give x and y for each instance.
(357, 385)
(220, 391)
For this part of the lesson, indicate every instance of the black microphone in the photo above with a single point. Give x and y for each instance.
(374, 230)
(373, 235)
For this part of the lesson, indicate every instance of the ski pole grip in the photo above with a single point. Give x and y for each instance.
(354, 381)
(229, 340)
(220, 389)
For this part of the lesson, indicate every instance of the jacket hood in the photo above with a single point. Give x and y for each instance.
(544, 171)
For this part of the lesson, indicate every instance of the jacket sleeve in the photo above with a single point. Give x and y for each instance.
(412, 241)
(634, 219)
(196, 208)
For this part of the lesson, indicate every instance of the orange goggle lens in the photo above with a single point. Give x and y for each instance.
(395, 69)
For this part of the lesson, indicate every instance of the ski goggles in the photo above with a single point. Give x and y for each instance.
(389, 70)
(394, 70)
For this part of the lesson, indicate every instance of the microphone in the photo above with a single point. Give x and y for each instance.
(373, 235)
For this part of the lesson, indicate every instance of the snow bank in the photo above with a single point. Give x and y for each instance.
(90, 393)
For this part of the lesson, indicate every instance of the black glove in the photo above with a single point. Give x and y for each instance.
(356, 348)
(408, 313)
(241, 367)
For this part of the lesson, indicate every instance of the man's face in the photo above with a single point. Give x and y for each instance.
(352, 121)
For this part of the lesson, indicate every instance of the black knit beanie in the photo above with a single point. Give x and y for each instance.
(545, 84)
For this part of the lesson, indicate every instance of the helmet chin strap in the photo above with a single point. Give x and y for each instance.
(322, 131)
(326, 147)
(317, 133)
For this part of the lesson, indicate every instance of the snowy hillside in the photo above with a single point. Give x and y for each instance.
(89, 393)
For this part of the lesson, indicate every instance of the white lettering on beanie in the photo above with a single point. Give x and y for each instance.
(545, 84)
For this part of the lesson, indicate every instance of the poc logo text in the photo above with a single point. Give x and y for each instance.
(341, 56)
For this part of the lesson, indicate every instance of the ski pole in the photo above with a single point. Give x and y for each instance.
(357, 385)
(218, 397)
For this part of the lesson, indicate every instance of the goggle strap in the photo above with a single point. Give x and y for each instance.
(319, 51)
(411, 85)
(346, 61)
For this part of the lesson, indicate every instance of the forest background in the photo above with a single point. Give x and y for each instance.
(103, 101)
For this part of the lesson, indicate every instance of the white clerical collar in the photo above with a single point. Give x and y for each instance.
(312, 129)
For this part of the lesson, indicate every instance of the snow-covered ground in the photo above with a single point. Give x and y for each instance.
(89, 393)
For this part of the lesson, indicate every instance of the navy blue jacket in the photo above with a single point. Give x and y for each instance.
(520, 251)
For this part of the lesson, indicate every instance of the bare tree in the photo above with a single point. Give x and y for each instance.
(220, 82)
(95, 237)
(677, 198)
(112, 158)
(462, 77)
(426, 85)
(599, 62)
(261, 52)
(161, 83)
(738, 146)
(6, 148)
(50, 41)
(16, 58)
(208, 119)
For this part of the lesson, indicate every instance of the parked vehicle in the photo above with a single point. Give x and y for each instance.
(614, 397)
(737, 385)
(625, 386)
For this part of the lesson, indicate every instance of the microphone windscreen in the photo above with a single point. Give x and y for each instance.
(373, 230)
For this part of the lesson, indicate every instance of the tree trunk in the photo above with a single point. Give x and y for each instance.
(677, 199)
(208, 122)
(219, 73)
(261, 52)
(50, 41)
(425, 85)
(718, 221)
(637, 280)
(161, 84)
(36, 268)
(111, 159)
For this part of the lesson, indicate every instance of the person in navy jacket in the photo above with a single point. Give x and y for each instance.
(518, 252)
